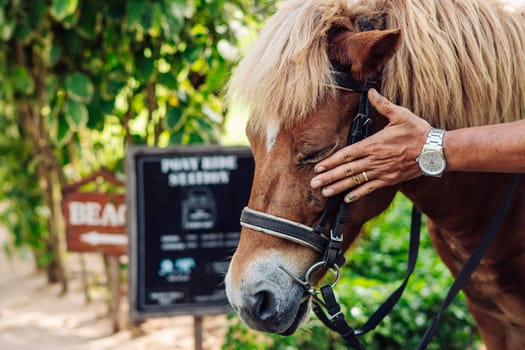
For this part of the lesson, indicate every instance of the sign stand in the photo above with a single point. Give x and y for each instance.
(114, 282)
(198, 331)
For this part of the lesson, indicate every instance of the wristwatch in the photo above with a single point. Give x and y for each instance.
(431, 160)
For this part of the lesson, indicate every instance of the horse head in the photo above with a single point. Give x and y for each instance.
(260, 283)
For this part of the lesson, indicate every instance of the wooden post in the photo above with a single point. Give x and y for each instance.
(114, 282)
(197, 330)
(113, 272)
(84, 277)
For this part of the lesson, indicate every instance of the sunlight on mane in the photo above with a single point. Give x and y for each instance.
(457, 65)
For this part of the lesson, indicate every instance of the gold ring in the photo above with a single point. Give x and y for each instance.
(365, 176)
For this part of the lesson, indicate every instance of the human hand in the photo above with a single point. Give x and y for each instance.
(386, 158)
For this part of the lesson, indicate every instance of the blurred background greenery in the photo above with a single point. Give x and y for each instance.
(84, 79)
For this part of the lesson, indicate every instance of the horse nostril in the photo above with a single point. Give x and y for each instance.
(264, 305)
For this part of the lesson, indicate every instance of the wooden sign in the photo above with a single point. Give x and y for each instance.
(95, 222)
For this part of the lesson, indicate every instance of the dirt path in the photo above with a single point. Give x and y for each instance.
(34, 316)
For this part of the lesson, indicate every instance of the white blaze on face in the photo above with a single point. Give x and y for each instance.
(271, 134)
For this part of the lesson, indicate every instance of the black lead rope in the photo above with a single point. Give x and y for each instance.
(471, 264)
(335, 319)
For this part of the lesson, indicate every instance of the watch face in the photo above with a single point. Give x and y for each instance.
(431, 162)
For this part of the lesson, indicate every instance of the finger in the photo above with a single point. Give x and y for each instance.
(382, 104)
(363, 190)
(340, 172)
(346, 183)
(344, 155)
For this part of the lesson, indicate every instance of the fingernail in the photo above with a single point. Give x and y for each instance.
(316, 183)
(374, 94)
(349, 199)
(319, 169)
(328, 192)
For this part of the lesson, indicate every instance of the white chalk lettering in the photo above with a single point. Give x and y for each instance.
(219, 162)
(177, 179)
(179, 164)
(92, 213)
(199, 178)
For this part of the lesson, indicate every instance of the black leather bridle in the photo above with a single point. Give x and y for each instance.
(315, 237)
(327, 241)
(329, 244)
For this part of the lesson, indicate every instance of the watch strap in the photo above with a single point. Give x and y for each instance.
(435, 139)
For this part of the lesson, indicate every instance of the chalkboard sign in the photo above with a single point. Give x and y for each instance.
(184, 206)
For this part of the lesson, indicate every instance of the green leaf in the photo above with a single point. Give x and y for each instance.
(6, 92)
(98, 109)
(76, 114)
(115, 9)
(60, 9)
(192, 53)
(177, 137)
(7, 25)
(72, 43)
(196, 137)
(51, 52)
(23, 31)
(175, 13)
(168, 80)
(113, 83)
(64, 133)
(146, 21)
(88, 23)
(37, 14)
(216, 77)
(79, 88)
(134, 12)
(51, 86)
(145, 67)
(22, 81)
(70, 21)
(173, 117)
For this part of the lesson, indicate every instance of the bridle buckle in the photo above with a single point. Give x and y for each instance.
(336, 237)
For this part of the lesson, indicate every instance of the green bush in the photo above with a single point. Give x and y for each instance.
(375, 266)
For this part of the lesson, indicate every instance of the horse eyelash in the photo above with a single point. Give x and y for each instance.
(316, 156)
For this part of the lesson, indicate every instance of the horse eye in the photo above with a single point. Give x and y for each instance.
(317, 155)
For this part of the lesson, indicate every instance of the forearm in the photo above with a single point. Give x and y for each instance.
(491, 148)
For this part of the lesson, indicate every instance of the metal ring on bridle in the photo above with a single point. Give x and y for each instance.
(317, 266)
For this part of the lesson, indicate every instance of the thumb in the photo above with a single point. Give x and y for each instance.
(382, 104)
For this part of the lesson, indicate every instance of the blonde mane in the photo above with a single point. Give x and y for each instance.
(461, 62)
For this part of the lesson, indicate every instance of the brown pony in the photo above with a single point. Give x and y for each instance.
(456, 63)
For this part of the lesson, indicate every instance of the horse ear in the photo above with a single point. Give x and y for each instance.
(364, 52)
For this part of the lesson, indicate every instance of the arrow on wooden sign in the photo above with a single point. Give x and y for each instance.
(100, 238)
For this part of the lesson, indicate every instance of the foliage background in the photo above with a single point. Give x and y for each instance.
(83, 79)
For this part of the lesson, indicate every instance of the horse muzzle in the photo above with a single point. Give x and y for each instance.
(266, 298)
